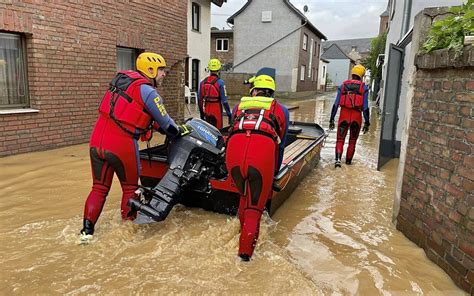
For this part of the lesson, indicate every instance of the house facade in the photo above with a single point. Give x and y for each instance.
(199, 38)
(340, 64)
(222, 47)
(198, 48)
(396, 68)
(58, 59)
(275, 33)
(323, 72)
(356, 49)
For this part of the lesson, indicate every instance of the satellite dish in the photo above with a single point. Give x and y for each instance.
(305, 8)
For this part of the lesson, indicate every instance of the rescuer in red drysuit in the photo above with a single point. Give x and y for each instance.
(131, 107)
(352, 97)
(212, 96)
(254, 155)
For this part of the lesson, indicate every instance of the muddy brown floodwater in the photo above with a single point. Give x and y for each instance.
(333, 236)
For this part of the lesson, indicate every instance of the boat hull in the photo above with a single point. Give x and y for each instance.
(301, 156)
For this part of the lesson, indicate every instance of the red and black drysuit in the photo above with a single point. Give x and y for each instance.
(129, 109)
(253, 156)
(352, 97)
(211, 98)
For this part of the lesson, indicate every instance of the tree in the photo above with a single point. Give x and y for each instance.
(377, 47)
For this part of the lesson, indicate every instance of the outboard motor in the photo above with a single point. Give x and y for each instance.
(193, 159)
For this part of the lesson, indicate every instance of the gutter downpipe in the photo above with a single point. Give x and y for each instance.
(271, 44)
(406, 17)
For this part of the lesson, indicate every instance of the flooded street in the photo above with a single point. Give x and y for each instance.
(332, 237)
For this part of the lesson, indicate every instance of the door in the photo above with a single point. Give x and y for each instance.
(389, 116)
(195, 75)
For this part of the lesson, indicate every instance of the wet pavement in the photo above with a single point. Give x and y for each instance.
(333, 236)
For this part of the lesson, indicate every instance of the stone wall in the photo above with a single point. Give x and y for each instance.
(234, 84)
(437, 200)
(71, 58)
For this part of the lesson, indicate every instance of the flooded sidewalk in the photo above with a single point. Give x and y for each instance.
(332, 236)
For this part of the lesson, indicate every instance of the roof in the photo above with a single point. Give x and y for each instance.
(334, 52)
(303, 18)
(218, 2)
(217, 31)
(362, 45)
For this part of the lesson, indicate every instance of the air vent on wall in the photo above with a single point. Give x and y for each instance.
(267, 16)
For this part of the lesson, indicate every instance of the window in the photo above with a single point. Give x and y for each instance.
(316, 52)
(196, 16)
(126, 58)
(13, 83)
(222, 44)
(305, 42)
(313, 76)
(303, 70)
(354, 48)
(324, 72)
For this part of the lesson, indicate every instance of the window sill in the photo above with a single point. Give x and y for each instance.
(18, 111)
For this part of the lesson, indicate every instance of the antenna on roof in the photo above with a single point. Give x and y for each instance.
(305, 8)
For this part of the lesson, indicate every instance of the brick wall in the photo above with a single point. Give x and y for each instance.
(71, 54)
(437, 200)
(226, 57)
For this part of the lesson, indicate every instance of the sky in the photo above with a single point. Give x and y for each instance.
(337, 19)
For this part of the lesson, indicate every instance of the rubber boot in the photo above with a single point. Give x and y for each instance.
(349, 161)
(249, 234)
(87, 232)
(337, 164)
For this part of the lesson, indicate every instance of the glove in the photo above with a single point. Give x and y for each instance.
(365, 129)
(184, 129)
(146, 136)
(331, 125)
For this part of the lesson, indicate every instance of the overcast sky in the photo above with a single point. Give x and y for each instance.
(337, 19)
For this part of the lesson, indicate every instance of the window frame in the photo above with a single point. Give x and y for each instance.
(222, 44)
(195, 70)
(23, 55)
(196, 6)
(304, 46)
(135, 51)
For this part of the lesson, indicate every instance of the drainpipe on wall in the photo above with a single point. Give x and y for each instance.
(406, 17)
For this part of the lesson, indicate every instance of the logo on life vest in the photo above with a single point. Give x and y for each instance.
(251, 117)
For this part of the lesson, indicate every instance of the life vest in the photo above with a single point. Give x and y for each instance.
(256, 115)
(122, 103)
(210, 91)
(352, 94)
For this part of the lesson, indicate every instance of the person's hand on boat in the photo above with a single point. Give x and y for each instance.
(184, 129)
(331, 125)
(365, 129)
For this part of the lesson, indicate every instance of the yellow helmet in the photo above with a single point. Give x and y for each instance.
(358, 70)
(214, 65)
(150, 60)
(264, 81)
